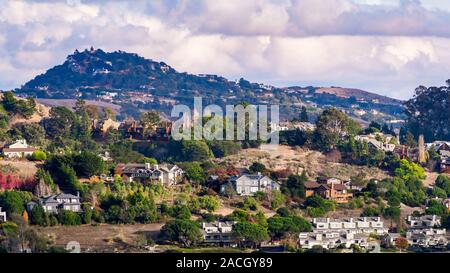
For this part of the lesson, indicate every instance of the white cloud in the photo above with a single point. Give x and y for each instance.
(389, 49)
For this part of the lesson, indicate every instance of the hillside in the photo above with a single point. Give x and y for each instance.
(138, 83)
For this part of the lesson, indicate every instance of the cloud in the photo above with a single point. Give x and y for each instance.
(389, 49)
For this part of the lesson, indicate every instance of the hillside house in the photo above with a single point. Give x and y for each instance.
(2, 216)
(311, 188)
(427, 238)
(367, 225)
(220, 233)
(19, 149)
(331, 240)
(421, 222)
(334, 192)
(249, 184)
(379, 141)
(55, 203)
(166, 174)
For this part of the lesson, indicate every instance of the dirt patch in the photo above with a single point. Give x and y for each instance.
(23, 168)
(100, 237)
(297, 159)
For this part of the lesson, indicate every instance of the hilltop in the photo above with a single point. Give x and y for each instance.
(130, 80)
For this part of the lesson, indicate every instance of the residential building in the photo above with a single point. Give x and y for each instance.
(378, 141)
(368, 225)
(19, 149)
(55, 203)
(428, 238)
(311, 188)
(334, 192)
(132, 129)
(101, 127)
(2, 216)
(218, 233)
(165, 174)
(423, 222)
(249, 184)
(331, 240)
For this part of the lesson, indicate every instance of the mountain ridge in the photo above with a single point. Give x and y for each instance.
(92, 73)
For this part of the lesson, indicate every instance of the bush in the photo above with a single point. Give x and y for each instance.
(39, 156)
(69, 218)
(185, 232)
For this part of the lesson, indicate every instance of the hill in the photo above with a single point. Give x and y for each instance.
(137, 84)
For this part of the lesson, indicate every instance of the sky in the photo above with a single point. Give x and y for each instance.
(387, 47)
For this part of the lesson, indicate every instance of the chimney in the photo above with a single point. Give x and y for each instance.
(147, 166)
(78, 194)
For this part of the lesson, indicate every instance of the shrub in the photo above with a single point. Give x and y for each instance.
(39, 156)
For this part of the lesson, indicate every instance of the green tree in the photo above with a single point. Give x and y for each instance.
(194, 172)
(251, 233)
(13, 202)
(38, 216)
(88, 164)
(193, 150)
(61, 124)
(185, 232)
(150, 120)
(257, 167)
(295, 185)
(69, 218)
(39, 156)
(331, 127)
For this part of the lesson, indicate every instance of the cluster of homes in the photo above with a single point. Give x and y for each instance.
(368, 233)
(423, 232)
(390, 143)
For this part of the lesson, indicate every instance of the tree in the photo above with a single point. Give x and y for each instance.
(13, 202)
(150, 120)
(295, 185)
(39, 156)
(194, 172)
(408, 170)
(210, 203)
(290, 225)
(193, 150)
(331, 127)
(88, 164)
(443, 182)
(427, 113)
(247, 232)
(92, 111)
(401, 243)
(69, 218)
(61, 124)
(38, 216)
(277, 199)
(33, 133)
(304, 115)
(257, 167)
(185, 232)
(21, 107)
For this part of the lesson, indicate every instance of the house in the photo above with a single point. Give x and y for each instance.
(249, 184)
(55, 203)
(428, 238)
(218, 233)
(378, 141)
(165, 174)
(101, 127)
(311, 188)
(444, 161)
(422, 222)
(333, 233)
(19, 149)
(367, 225)
(132, 129)
(334, 192)
(331, 240)
(2, 216)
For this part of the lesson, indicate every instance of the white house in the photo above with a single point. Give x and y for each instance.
(2, 216)
(19, 149)
(364, 225)
(374, 141)
(218, 232)
(248, 184)
(426, 221)
(165, 174)
(330, 239)
(427, 237)
(55, 203)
